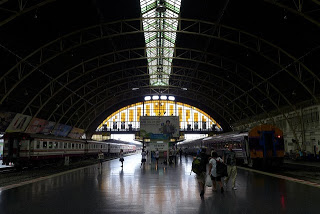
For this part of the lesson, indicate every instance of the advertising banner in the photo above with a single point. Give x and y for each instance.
(36, 126)
(155, 127)
(76, 133)
(5, 120)
(19, 123)
(61, 130)
(48, 127)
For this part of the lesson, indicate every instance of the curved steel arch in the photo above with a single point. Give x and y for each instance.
(131, 51)
(217, 112)
(276, 3)
(296, 11)
(123, 83)
(243, 91)
(86, 114)
(80, 76)
(23, 10)
(238, 42)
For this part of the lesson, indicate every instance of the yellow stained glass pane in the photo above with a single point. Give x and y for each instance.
(148, 110)
(195, 117)
(123, 116)
(187, 115)
(138, 113)
(131, 115)
(171, 110)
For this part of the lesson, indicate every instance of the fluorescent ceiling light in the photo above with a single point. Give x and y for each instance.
(171, 98)
(163, 97)
(133, 89)
(147, 98)
(185, 89)
(155, 97)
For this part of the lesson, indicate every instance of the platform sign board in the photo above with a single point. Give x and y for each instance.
(76, 133)
(19, 123)
(155, 127)
(61, 130)
(36, 126)
(158, 144)
(48, 127)
(5, 120)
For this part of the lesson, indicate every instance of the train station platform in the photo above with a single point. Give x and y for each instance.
(4, 166)
(163, 189)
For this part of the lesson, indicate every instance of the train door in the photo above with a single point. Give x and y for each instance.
(246, 150)
(267, 141)
(11, 144)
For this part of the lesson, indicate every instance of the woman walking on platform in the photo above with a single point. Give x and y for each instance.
(121, 157)
(143, 160)
(100, 157)
(215, 177)
(157, 155)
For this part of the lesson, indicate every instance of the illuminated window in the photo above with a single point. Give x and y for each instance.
(190, 117)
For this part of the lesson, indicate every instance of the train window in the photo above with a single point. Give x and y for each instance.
(101, 146)
(55, 145)
(38, 144)
(73, 145)
(50, 145)
(69, 145)
(45, 144)
(65, 145)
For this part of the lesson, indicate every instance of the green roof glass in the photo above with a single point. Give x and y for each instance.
(160, 24)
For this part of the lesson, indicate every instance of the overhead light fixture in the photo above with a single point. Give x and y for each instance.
(163, 97)
(185, 89)
(161, 8)
(133, 89)
(147, 98)
(171, 98)
(156, 97)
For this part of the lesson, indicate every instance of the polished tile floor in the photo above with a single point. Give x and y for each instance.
(155, 190)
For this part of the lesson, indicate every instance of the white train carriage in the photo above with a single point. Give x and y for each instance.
(94, 147)
(31, 149)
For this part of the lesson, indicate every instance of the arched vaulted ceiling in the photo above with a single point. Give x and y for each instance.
(75, 62)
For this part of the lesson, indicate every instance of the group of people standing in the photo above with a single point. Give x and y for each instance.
(229, 158)
(144, 155)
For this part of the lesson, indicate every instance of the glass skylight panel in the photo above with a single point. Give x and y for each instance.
(160, 24)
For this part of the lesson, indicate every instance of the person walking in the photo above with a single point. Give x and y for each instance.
(100, 158)
(157, 155)
(121, 157)
(143, 160)
(230, 160)
(215, 177)
(201, 177)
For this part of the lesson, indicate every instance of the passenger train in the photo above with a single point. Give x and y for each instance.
(263, 145)
(23, 149)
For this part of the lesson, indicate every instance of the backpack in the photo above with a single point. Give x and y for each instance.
(222, 169)
(196, 165)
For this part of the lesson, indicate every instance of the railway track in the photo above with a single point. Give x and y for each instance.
(309, 173)
(12, 176)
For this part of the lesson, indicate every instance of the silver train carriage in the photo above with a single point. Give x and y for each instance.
(23, 149)
(263, 145)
